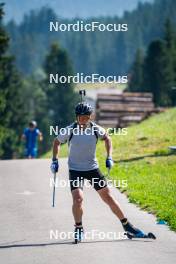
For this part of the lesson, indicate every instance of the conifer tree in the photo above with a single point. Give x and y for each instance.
(12, 116)
(61, 96)
(136, 73)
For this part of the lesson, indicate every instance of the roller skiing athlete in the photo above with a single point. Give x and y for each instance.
(83, 164)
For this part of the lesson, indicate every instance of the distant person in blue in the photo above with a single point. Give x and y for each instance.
(31, 134)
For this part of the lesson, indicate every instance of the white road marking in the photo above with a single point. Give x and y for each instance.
(26, 193)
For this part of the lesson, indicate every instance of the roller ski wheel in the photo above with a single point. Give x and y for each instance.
(78, 234)
(140, 235)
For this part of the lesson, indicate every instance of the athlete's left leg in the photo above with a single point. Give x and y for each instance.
(98, 181)
(107, 197)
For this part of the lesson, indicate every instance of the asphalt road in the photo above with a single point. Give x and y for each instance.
(32, 232)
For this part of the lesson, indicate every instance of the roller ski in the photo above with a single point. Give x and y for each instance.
(140, 235)
(78, 234)
(133, 232)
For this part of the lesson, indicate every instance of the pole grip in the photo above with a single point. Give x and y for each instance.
(82, 94)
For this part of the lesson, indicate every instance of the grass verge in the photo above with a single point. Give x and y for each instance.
(143, 159)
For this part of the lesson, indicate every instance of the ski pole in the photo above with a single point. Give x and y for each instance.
(54, 189)
(108, 172)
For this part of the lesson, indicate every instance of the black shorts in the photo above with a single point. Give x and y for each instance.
(95, 178)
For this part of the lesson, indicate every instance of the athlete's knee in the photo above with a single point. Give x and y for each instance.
(107, 197)
(77, 199)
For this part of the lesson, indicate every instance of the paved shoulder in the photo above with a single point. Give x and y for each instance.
(31, 231)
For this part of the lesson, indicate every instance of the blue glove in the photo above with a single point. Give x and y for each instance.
(109, 163)
(54, 166)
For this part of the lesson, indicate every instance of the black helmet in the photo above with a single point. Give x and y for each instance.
(83, 109)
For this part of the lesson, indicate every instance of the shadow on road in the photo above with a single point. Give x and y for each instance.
(68, 242)
(36, 245)
(146, 156)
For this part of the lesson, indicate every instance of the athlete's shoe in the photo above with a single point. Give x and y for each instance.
(130, 229)
(78, 234)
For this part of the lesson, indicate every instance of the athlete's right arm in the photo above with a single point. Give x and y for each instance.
(56, 148)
